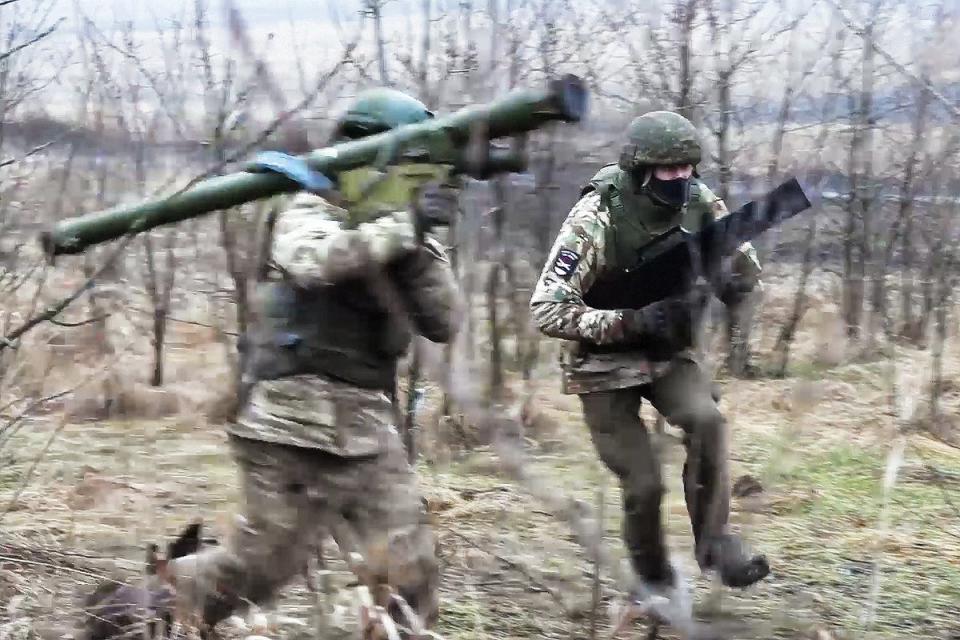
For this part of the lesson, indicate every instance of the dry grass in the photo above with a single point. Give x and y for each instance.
(817, 442)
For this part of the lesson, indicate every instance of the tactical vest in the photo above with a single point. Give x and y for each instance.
(635, 220)
(338, 331)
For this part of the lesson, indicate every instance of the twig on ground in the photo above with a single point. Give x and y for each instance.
(516, 566)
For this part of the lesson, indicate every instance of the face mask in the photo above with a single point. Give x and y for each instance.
(673, 193)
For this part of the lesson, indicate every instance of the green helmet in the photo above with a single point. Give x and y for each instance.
(378, 110)
(660, 138)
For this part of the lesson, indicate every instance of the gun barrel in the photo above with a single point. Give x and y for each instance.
(563, 99)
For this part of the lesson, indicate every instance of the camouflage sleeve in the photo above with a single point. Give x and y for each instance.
(312, 249)
(576, 258)
(428, 288)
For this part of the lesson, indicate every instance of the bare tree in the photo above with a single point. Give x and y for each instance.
(858, 252)
(374, 9)
(684, 16)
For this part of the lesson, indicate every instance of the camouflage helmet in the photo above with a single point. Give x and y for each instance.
(660, 138)
(378, 110)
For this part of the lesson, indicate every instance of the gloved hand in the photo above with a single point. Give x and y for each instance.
(735, 288)
(436, 205)
(667, 323)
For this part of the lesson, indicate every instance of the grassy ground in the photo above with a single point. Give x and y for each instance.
(850, 559)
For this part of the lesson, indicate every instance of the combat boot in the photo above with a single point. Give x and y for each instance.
(727, 555)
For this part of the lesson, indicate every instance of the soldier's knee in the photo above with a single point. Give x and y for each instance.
(643, 492)
(702, 420)
(704, 431)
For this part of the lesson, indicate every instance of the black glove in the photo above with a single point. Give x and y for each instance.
(664, 325)
(436, 205)
(735, 288)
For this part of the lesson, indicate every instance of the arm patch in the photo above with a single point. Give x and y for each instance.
(566, 263)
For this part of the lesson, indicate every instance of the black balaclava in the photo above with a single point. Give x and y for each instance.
(672, 193)
(669, 196)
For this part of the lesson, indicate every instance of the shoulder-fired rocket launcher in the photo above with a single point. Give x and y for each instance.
(461, 142)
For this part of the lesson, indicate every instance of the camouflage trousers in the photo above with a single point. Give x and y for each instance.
(292, 497)
(684, 396)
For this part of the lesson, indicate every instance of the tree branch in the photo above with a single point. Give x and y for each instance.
(61, 323)
(32, 41)
(36, 149)
(859, 31)
(54, 310)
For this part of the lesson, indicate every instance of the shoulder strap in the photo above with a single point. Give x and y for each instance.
(604, 182)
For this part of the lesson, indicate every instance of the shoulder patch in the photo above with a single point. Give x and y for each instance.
(566, 263)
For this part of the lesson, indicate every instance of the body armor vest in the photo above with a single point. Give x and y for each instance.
(339, 331)
(635, 220)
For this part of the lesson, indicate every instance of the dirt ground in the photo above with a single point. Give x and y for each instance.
(855, 550)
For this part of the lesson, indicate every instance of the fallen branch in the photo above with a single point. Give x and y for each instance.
(516, 566)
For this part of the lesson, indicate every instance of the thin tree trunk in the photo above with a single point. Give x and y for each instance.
(425, 45)
(939, 344)
(493, 289)
(375, 8)
(852, 287)
(723, 133)
(867, 200)
(685, 11)
(789, 329)
(907, 191)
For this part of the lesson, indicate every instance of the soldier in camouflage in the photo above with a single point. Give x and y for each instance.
(616, 358)
(315, 441)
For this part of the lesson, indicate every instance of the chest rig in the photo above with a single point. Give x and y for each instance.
(636, 221)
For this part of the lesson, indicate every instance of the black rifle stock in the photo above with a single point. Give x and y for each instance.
(672, 263)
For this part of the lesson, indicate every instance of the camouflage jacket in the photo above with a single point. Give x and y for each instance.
(580, 254)
(310, 249)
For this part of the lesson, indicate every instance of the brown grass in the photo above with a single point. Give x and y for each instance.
(816, 443)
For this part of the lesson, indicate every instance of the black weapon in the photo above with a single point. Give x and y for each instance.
(670, 265)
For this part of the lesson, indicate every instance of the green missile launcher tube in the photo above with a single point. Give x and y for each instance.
(461, 140)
